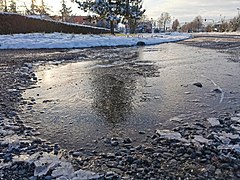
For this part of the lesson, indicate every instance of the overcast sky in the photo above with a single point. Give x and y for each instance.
(184, 10)
(187, 10)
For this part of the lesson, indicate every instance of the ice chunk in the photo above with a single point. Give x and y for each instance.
(22, 157)
(65, 169)
(4, 132)
(176, 119)
(213, 121)
(236, 127)
(201, 139)
(230, 135)
(29, 65)
(12, 142)
(170, 135)
(62, 178)
(44, 164)
(236, 119)
(235, 147)
(227, 137)
(85, 175)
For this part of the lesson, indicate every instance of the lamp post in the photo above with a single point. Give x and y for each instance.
(152, 25)
(198, 20)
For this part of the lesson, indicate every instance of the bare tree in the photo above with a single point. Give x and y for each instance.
(197, 23)
(195, 26)
(235, 23)
(164, 19)
(65, 11)
(13, 6)
(209, 28)
(4, 5)
(42, 9)
(33, 8)
(175, 25)
(1, 5)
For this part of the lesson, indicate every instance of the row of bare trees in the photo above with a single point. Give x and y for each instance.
(198, 24)
(4, 7)
(194, 26)
(34, 9)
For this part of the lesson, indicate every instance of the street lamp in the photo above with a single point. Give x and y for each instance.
(152, 25)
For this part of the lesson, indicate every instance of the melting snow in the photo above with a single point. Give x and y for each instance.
(61, 40)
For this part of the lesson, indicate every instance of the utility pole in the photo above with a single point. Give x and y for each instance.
(198, 25)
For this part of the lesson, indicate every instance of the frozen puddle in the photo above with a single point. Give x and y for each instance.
(79, 103)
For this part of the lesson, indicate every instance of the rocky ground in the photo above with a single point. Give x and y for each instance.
(207, 149)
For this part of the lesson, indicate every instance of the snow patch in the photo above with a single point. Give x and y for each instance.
(61, 40)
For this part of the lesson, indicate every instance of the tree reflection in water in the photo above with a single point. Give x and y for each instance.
(114, 86)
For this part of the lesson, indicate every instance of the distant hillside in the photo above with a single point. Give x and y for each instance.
(14, 23)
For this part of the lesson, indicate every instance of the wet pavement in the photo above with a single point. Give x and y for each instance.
(123, 92)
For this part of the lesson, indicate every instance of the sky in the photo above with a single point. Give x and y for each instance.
(183, 10)
(187, 10)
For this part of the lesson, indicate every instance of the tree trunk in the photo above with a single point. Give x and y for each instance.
(111, 27)
(111, 21)
(132, 24)
(5, 6)
(165, 22)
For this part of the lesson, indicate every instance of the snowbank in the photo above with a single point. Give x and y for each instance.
(61, 40)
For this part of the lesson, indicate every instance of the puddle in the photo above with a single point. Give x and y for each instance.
(81, 102)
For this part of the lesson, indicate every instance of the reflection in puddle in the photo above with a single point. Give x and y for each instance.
(123, 92)
(113, 96)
